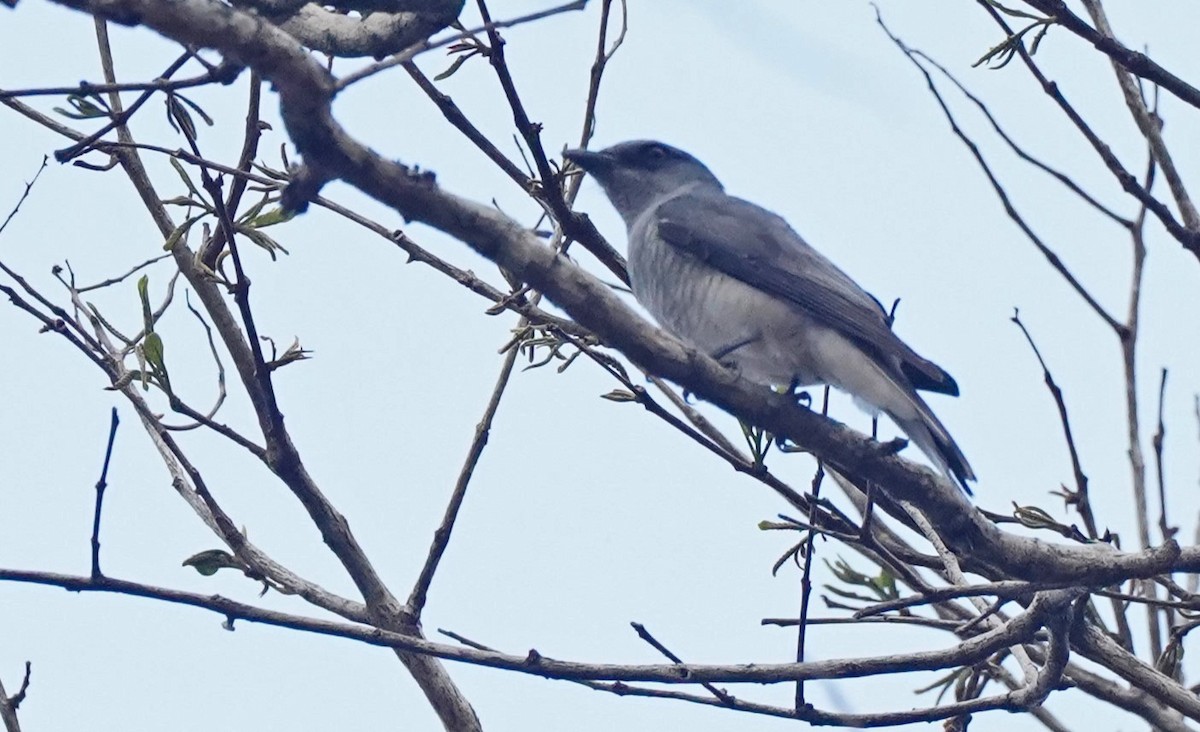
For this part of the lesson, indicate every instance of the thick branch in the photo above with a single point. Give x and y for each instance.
(305, 90)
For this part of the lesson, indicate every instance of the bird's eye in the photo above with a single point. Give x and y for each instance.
(657, 152)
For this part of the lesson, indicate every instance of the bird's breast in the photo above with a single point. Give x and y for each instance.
(769, 340)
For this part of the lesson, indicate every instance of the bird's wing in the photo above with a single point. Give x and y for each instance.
(749, 243)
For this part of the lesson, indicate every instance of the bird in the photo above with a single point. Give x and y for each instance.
(734, 280)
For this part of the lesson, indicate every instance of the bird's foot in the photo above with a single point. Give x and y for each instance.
(785, 445)
(801, 396)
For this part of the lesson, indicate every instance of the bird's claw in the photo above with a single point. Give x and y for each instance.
(802, 396)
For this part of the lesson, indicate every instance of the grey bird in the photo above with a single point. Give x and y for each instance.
(734, 280)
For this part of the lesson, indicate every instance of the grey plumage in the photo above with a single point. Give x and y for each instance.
(734, 280)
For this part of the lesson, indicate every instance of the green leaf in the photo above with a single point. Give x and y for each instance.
(179, 232)
(200, 111)
(143, 287)
(153, 348)
(458, 62)
(125, 380)
(262, 240)
(85, 108)
(276, 215)
(766, 525)
(253, 210)
(179, 117)
(270, 172)
(1014, 12)
(186, 202)
(294, 352)
(209, 562)
(187, 181)
(1168, 662)
(1034, 517)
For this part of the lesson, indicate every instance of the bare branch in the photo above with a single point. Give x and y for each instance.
(1080, 498)
(405, 57)
(227, 75)
(646, 636)
(9, 704)
(1147, 121)
(1043, 609)
(1137, 63)
(101, 484)
(1189, 238)
(24, 194)
(441, 537)
(1009, 208)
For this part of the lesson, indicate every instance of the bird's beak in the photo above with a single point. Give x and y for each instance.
(588, 160)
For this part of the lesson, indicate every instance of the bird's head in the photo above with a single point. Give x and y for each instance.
(639, 174)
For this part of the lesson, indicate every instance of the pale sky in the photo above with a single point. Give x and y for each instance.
(584, 514)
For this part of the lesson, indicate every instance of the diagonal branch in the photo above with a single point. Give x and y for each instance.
(441, 537)
(305, 92)
(1137, 63)
(1189, 238)
(1005, 201)
(1148, 122)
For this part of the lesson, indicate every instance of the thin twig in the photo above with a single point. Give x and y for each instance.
(806, 573)
(206, 420)
(455, 117)
(229, 72)
(121, 278)
(638, 394)
(1148, 123)
(654, 642)
(997, 187)
(408, 54)
(604, 54)
(549, 192)
(535, 664)
(955, 575)
(1166, 530)
(1080, 498)
(1136, 63)
(968, 651)
(935, 623)
(9, 704)
(1128, 337)
(101, 484)
(119, 116)
(252, 133)
(269, 415)
(41, 119)
(24, 194)
(1188, 238)
(1020, 152)
(441, 537)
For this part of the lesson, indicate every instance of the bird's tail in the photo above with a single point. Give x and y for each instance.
(924, 428)
(881, 387)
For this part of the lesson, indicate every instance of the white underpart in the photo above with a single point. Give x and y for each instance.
(781, 345)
